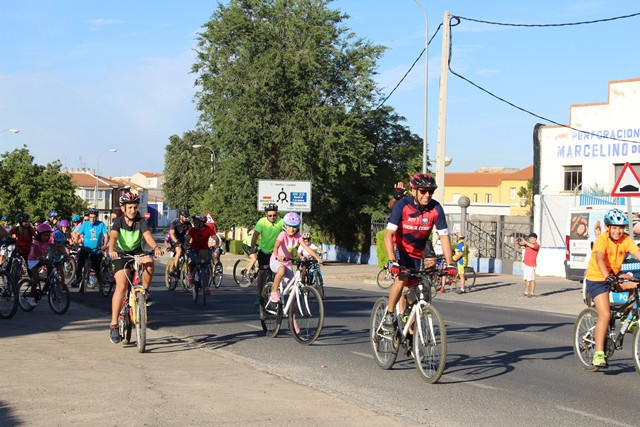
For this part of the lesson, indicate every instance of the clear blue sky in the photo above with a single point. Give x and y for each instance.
(78, 78)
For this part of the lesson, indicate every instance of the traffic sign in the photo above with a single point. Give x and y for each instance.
(147, 215)
(288, 195)
(627, 184)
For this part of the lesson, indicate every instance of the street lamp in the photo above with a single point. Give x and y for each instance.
(95, 194)
(213, 156)
(426, 91)
(10, 130)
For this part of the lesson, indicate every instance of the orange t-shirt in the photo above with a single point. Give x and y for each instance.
(614, 254)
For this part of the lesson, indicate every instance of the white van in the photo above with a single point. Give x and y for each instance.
(584, 224)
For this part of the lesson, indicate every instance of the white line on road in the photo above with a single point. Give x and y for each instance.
(473, 383)
(251, 325)
(595, 417)
(370, 356)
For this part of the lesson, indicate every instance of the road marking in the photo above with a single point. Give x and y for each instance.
(473, 383)
(595, 417)
(251, 325)
(370, 356)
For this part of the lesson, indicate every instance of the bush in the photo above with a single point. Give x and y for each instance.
(235, 247)
(380, 250)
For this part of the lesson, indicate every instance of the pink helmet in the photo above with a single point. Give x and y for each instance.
(44, 228)
(292, 219)
(64, 223)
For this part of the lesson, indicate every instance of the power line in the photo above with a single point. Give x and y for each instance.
(458, 18)
(409, 70)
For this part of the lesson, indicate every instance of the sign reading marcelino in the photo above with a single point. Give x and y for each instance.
(288, 195)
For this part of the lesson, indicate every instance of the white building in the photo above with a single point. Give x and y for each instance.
(569, 162)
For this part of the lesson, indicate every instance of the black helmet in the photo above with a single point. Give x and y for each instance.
(92, 211)
(184, 213)
(22, 217)
(423, 180)
(271, 207)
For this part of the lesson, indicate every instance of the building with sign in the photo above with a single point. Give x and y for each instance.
(587, 156)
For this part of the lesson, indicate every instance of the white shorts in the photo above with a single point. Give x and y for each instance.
(528, 273)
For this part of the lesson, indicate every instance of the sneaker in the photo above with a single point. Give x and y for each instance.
(74, 283)
(525, 295)
(599, 360)
(461, 291)
(114, 335)
(207, 290)
(533, 296)
(150, 300)
(32, 302)
(633, 325)
(389, 323)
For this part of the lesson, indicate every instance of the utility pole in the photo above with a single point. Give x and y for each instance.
(442, 113)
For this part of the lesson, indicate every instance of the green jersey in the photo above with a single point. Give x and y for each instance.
(130, 237)
(268, 233)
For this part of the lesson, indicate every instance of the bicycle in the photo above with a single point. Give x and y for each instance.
(56, 290)
(314, 276)
(428, 342)
(453, 281)
(13, 262)
(385, 279)
(134, 306)
(8, 296)
(179, 275)
(216, 267)
(304, 308)
(202, 279)
(243, 276)
(70, 264)
(624, 309)
(89, 279)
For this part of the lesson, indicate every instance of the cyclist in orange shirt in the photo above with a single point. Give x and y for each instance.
(609, 251)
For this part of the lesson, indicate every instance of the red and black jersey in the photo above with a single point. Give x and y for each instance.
(413, 226)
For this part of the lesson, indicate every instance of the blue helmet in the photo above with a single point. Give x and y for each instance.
(5, 218)
(615, 217)
(75, 218)
(52, 214)
(59, 237)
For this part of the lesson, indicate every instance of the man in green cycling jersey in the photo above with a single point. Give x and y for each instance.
(126, 238)
(267, 230)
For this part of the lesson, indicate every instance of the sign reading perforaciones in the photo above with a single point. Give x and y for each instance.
(288, 195)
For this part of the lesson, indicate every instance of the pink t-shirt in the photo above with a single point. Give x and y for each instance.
(287, 246)
(38, 249)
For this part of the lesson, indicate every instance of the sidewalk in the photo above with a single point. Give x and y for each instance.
(61, 370)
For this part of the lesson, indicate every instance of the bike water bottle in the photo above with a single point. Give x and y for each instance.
(136, 278)
(406, 313)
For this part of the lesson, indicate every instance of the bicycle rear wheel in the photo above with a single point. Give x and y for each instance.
(184, 276)
(470, 274)
(24, 293)
(306, 315)
(141, 321)
(384, 279)
(385, 346)
(270, 319)
(59, 297)
(584, 338)
(242, 277)
(8, 296)
(69, 268)
(430, 345)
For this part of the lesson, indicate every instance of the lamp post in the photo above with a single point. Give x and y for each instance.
(10, 130)
(426, 86)
(213, 156)
(95, 194)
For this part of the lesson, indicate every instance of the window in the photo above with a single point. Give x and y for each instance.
(475, 197)
(572, 177)
(88, 194)
(487, 197)
(618, 169)
(513, 193)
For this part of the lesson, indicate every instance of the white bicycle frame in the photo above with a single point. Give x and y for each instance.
(416, 314)
(293, 287)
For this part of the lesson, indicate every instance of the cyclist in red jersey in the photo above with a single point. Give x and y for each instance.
(412, 220)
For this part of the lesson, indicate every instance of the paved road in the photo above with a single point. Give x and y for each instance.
(211, 364)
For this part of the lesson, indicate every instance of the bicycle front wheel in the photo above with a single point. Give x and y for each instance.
(241, 275)
(635, 350)
(584, 338)
(306, 315)
(59, 297)
(318, 283)
(141, 321)
(171, 280)
(217, 274)
(24, 293)
(430, 344)
(184, 277)
(270, 317)
(384, 279)
(385, 346)
(69, 268)
(8, 296)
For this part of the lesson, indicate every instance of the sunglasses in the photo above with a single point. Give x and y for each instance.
(426, 190)
(272, 216)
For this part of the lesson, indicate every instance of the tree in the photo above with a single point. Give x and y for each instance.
(35, 189)
(286, 92)
(527, 194)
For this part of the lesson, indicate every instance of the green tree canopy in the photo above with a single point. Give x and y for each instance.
(35, 189)
(287, 93)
